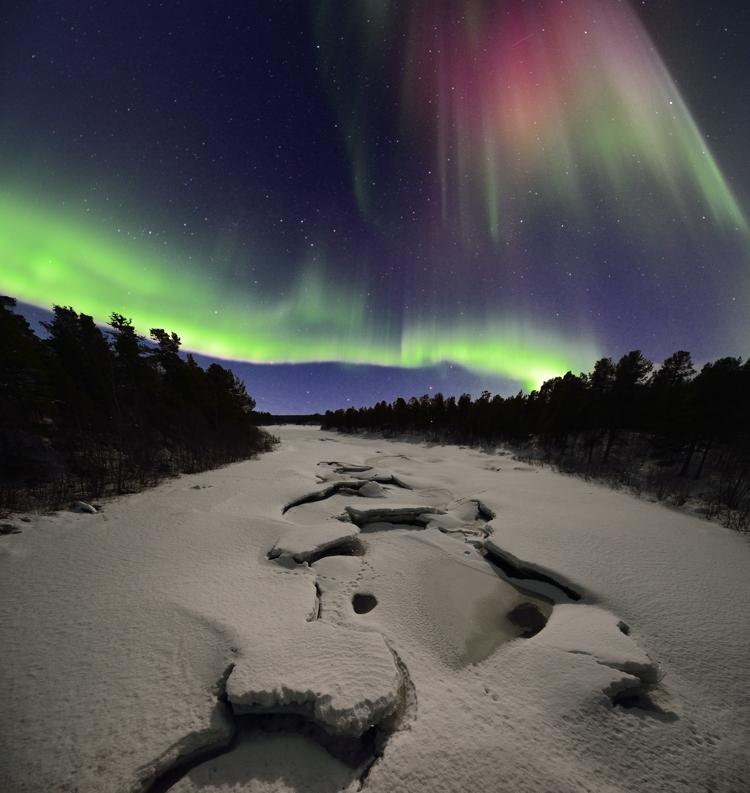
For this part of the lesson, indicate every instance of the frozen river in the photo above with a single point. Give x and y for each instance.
(349, 612)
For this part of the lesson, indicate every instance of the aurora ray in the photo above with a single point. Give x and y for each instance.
(518, 99)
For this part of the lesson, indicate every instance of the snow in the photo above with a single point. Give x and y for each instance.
(348, 678)
(372, 489)
(122, 628)
(302, 543)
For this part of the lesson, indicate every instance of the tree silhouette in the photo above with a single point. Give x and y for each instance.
(626, 412)
(84, 413)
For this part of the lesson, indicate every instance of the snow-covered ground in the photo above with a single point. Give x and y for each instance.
(123, 633)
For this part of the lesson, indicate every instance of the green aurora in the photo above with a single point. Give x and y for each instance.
(46, 253)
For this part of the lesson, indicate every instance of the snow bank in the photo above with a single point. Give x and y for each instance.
(372, 489)
(302, 543)
(346, 680)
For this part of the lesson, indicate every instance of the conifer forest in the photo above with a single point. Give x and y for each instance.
(669, 432)
(86, 414)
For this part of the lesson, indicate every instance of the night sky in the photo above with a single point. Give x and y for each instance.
(370, 199)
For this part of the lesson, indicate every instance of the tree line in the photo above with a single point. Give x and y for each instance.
(86, 413)
(669, 430)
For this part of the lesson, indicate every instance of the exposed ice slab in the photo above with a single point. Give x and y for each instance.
(341, 467)
(348, 681)
(302, 543)
(395, 513)
(515, 568)
(342, 485)
(367, 473)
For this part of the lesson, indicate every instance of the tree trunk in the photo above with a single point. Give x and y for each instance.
(610, 441)
(703, 459)
(688, 457)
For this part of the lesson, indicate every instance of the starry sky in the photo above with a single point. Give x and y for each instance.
(354, 201)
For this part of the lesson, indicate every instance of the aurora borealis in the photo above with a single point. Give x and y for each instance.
(513, 188)
(44, 254)
(518, 98)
